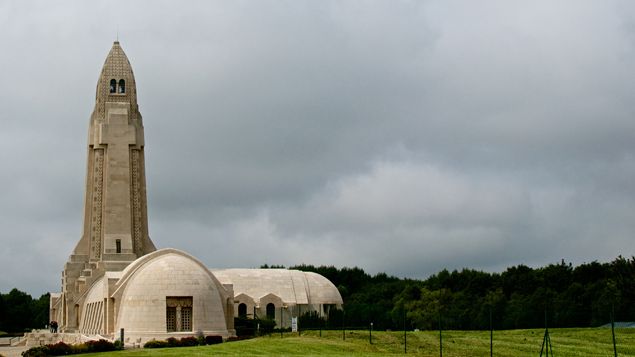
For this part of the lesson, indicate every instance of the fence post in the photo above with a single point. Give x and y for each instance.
(321, 321)
(405, 339)
(546, 340)
(343, 325)
(370, 334)
(491, 334)
(613, 328)
(440, 337)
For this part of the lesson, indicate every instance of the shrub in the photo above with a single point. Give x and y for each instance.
(100, 346)
(79, 349)
(266, 325)
(62, 349)
(173, 342)
(188, 341)
(59, 349)
(184, 342)
(245, 326)
(155, 344)
(118, 345)
(311, 319)
(212, 340)
(38, 351)
(284, 329)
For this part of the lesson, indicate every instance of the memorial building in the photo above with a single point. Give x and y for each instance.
(115, 278)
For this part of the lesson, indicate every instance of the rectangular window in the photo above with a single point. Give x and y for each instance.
(186, 319)
(170, 319)
(178, 313)
(118, 245)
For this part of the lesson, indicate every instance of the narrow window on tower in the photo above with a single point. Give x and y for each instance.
(118, 245)
(122, 86)
(113, 86)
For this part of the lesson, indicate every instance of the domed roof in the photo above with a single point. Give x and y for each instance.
(322, 290)
(291, 286)
(157, 261)
(157, 276)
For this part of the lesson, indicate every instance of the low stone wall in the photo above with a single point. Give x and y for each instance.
(39, 338)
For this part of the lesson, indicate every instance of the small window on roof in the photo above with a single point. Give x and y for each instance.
(122, 86)
(113, 86)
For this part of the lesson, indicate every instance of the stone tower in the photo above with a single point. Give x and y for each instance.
(115, 230)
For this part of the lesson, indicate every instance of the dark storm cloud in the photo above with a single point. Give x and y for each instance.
(398, 136)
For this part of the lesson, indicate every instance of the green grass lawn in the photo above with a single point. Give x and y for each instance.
(565, 342)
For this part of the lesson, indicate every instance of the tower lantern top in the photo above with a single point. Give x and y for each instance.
(116, 83)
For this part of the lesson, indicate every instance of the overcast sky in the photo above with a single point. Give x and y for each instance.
(398, 136)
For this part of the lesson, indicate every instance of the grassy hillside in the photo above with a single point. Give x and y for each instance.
(565, 342)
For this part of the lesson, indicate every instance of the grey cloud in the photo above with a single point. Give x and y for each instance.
(397, 136)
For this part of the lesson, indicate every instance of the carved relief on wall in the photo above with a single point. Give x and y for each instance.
(96, 214)
(135, 187)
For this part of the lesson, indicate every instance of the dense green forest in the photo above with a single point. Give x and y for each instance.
(580, 296)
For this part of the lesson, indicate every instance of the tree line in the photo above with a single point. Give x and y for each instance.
(519, 297)
(19, 312)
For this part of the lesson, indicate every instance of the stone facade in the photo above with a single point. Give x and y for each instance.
(115, 231)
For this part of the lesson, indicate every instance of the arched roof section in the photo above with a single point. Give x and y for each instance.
(97, 292)
(138, 263)
(321, 289)
(291, 286)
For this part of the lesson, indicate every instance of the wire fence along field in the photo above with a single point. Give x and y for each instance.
(530, 342)
(602, 341)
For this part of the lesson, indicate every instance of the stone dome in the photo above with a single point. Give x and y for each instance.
(152, 281)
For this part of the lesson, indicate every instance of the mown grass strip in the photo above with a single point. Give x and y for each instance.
(513, 343)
